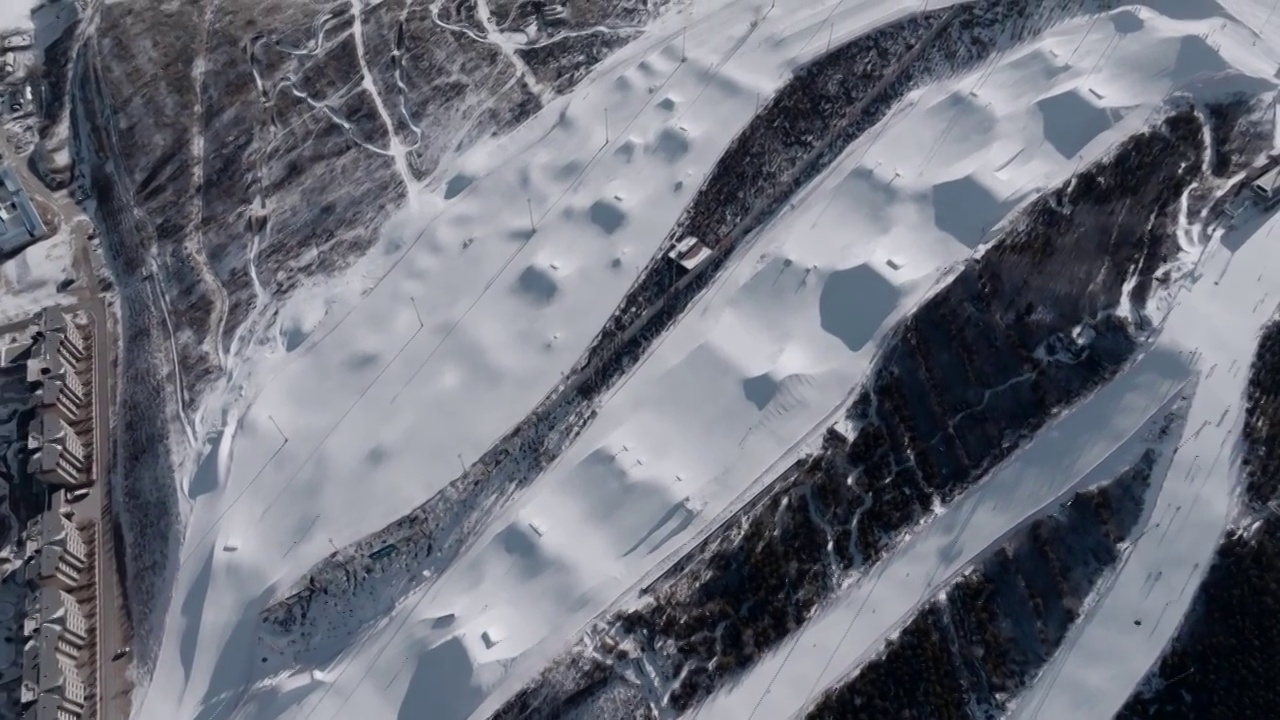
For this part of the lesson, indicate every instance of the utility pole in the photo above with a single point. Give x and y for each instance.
(532, 228)
(684, 35)
(273, 422)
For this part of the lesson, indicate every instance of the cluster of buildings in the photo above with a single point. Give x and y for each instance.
(59, 653)
(58, 658)
(57, 370)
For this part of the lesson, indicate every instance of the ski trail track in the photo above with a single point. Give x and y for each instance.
(1196, 500)
(197, 250)
(396, 148)
(494, 36)
(853, 627)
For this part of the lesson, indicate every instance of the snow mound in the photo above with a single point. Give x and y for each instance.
(853, 303)
(966, 208)
(538, 284)
(672, 144)
(607, 215)
(1072, 121)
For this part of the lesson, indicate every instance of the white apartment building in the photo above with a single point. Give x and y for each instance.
(51, 707)
(72, 342)
(51, 604)
(58, 455)
(59, 380)
(52, 685)
(59, 555)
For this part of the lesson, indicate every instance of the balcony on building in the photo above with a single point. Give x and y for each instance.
(51, 680)
(50, 605)
(69, 340)
(57, 454)
(57, 382)
(57, 552)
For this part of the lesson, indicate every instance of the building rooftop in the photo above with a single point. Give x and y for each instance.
(57, 455)
(47, 604)
(16, 40)
(51, 319)
(47, 670)
(45, 360)
(48, 707)
(1268, 185)
(51, 529)
(20, 224)
(42, 670)
(45, 564)
(689, 252)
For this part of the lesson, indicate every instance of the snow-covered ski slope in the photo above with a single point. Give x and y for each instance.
(375, 388)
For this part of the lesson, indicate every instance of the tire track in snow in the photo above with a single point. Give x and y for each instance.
(179, 384)
(397, 58)
(509, 50)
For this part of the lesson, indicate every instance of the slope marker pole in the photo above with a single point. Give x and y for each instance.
(273, 422)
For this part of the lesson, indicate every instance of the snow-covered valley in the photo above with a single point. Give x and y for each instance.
(413, 477)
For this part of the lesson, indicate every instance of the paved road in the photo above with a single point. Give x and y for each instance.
(114, 685)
